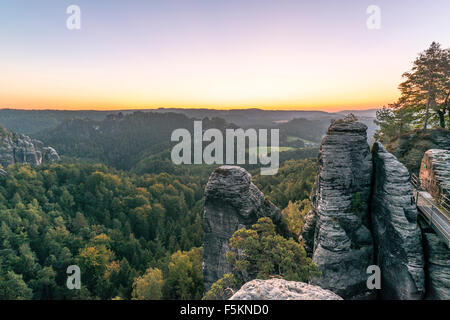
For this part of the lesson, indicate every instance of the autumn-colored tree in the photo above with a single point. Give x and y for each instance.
(111, 224)
(184, 279)
(260, 253)
(149, 286)
(293, 215)
(93, 262)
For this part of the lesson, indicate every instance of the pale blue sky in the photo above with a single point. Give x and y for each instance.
(224, 53)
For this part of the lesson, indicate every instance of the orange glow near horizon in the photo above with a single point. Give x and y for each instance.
(29, 103)
(238, 86)
(234, 54)
(61, 106)
(117, 102)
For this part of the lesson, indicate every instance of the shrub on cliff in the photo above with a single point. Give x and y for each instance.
(261, 253)
(224, 288)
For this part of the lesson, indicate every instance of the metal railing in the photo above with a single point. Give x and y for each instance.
(432, 188)
(415, 181)
(444, 201)
(435, 211)
(435, 216)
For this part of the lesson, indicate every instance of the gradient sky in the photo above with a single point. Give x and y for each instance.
(278, 54)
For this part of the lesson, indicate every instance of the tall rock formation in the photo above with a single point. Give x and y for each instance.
(397, 236)
(363, 213)
(19, 148)
(342, 245)
(232, 202)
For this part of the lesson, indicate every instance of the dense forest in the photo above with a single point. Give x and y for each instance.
(140, 141)
(117, 207)
(135, 235)
(35, 121)
(114, 226)
(119, 141)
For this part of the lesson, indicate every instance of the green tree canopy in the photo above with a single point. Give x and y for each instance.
(12, 287)
(184, 279)
(149, 286)
(261, 253)
(424, 95)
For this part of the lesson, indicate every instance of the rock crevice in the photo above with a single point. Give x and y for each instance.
(398, 239)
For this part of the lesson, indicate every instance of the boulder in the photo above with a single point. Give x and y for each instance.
(50, 155)
(232, 202)
(397, 236)
(279, 289)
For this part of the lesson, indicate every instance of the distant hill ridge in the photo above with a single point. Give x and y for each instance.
(33, 121)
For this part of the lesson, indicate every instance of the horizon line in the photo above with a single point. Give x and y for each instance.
(186, 108)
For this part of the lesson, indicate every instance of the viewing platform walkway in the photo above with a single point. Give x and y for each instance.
(435, 212)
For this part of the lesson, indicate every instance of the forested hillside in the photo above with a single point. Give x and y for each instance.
(114, 226)
(119, 140)
(140, 141)
(118, 208)
(128, 233)
(33, 121)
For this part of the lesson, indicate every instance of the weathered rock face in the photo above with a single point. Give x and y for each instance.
(437, 256)
(435, 172)
(363, 214)
(342, 246)
(232, 202)
(278, 289)
(50, 155)
(18, 148)
(397, 236)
